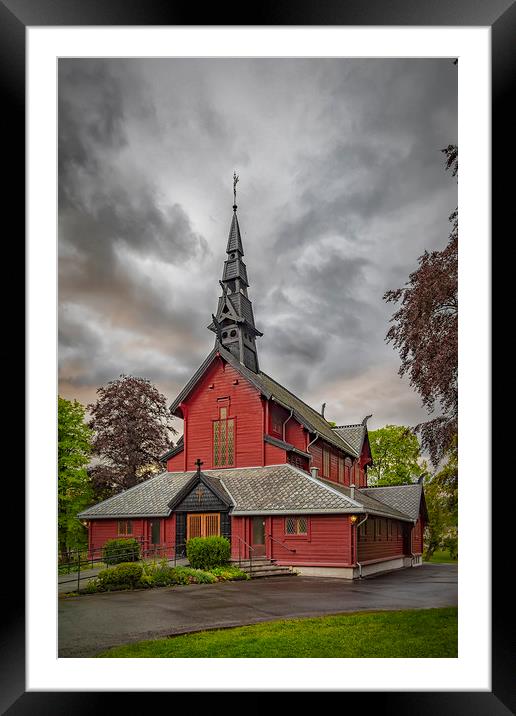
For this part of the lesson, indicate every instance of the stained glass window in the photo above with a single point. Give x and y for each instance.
(223, 440)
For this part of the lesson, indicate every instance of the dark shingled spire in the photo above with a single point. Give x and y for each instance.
(233, 322)
(234, 239)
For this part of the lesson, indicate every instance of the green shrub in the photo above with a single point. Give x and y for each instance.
(228, 573)
(208, 552)
(126, 575)
(116, 551)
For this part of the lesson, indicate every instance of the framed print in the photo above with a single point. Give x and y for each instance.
(55, 56)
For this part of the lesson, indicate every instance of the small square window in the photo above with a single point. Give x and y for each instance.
(296, 526)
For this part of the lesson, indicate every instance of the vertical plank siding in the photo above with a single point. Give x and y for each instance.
(245, 405)
(383, 546)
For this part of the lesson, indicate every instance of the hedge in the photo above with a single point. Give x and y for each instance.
(116, 551)
(126, 575)
(208, 552)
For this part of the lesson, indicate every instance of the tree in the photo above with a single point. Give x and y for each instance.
(424, 331)
(131, 425)
(74, 489)
(396, 455)
(441, 491)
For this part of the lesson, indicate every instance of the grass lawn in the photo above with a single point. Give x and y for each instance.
(411, 633)
(442, 557)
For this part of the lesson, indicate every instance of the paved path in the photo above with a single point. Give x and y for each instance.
(91, 623)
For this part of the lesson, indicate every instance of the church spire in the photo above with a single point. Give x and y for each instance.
(233, 323)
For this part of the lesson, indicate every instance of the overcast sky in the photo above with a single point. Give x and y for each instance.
(342, 186)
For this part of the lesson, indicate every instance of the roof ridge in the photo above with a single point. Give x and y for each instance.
(350, 425)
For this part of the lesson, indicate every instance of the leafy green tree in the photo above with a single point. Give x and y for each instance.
(441, 493)
(396, 456)
(74, 486)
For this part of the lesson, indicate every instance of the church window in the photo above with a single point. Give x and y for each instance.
(341, 469)
(326, 462)
(296, 526)
(125, 527)
(348, 470)
(223, 439)
(276, 424)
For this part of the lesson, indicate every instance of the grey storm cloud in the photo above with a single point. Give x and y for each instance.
(342, 187)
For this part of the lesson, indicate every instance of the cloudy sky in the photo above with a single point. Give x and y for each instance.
(342, 186)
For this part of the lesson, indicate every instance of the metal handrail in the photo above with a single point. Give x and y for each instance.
(153, 550)
(281, 544)
(251, 550)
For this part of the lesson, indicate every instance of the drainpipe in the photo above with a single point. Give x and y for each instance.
(356, 545)
(286, 421)
(311, 443)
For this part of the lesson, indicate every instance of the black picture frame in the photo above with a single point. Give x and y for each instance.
(500, 16)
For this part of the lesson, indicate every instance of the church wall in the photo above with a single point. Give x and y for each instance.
(417, 536)
(328, 542)
(100, 531)
(274, 455)
(176, 463)
(295, 434)
(374, 546)
(222, 381)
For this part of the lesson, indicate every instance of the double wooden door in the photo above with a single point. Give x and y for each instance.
(203, 525)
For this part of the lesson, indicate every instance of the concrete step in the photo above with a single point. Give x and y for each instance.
(263, 568)
(278, 572)
(256, 562)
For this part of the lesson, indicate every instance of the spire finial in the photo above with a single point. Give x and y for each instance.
(199, 462)
(235, 182)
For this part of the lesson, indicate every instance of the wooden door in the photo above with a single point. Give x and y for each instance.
(203, 525)
(258, 538)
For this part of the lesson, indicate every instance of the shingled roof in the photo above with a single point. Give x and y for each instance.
(273, 489)
(405, 498)
(353, 434)
(270, 388)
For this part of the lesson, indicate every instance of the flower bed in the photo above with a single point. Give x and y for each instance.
(146, 575)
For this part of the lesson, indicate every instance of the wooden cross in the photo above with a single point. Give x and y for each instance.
(199, 462)
(199, 492)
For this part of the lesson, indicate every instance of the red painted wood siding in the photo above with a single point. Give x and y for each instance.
(100, 531)
(245, 405)
(417, 536)
(355, 474)
(295, 434)
(176, 463)
(274, 455)
(328, 542)
(382, 547)
(240, 529)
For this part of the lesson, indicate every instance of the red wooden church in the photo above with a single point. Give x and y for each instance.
(277, 479)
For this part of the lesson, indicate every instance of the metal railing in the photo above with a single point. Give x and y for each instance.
(81, 563)
(281, 544)
(251, 550)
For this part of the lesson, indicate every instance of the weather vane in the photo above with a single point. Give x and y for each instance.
(235, 182)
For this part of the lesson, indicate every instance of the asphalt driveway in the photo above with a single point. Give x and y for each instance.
(92, 623)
